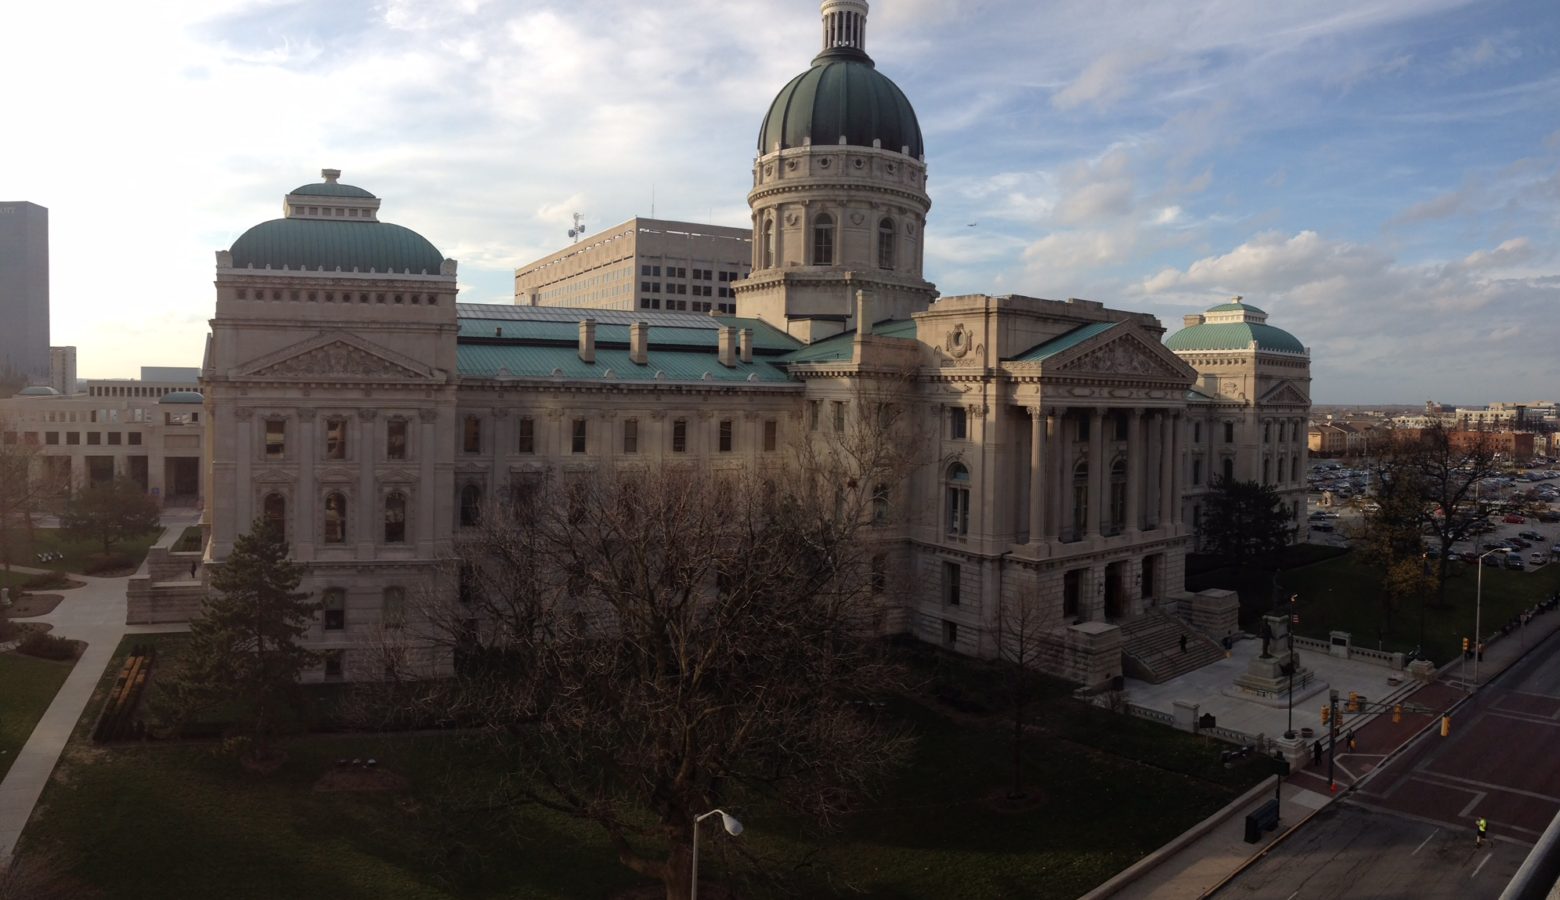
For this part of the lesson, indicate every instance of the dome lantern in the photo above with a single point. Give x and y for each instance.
(845, 27)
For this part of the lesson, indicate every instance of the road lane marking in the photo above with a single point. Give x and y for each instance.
(1424, 842)
(1481, 864)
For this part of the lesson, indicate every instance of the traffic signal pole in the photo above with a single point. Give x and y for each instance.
(1332, 740)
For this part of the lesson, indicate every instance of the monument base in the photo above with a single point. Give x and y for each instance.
(1266, 681)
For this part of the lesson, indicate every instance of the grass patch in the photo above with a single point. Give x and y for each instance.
(27, 687)
(81, 556)
(1258, 584)
(1343, 594)
(1109, 789)
(189, 540)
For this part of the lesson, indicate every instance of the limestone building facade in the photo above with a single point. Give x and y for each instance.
(352, 402)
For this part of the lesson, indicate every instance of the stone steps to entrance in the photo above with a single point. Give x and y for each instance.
(1151, 645)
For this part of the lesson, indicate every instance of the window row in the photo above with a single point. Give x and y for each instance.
(337, 434)
(822, 243)
(333, 608)
(342, 297)
(273, 510)
(687, 305)
(579, 435)
(73, 438)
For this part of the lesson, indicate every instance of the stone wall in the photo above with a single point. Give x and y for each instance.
(1215, 612)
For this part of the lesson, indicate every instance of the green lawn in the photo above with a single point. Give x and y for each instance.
(1342, 594)
(27, 687)
(78, 554)
(177, 821)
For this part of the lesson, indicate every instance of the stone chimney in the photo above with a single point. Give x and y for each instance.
(863, 314)
(639, 343)
(728, 342)
(588, 340)
(1193, 319)
(745, 345)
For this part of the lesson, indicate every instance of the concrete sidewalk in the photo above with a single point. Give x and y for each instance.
(94, 613)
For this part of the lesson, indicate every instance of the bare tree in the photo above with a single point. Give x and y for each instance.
(1021, 629)
(651, 642)
(21, 492)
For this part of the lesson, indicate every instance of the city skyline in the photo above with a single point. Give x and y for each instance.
(1315, 161)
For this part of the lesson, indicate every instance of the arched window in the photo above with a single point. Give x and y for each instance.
(274, 511)
(335, 518)
(395, 518)
(470, 506)
(886, 244)
(958, 500)
(768, 251)
(1080, 516)
(823, 240)
(1118, 495)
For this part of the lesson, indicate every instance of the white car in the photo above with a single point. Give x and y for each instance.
(1538, 557)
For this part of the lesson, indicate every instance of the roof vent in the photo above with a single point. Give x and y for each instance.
(330, 175)
(639, 343)
(588, 340)
(745, 345)
(727, 346)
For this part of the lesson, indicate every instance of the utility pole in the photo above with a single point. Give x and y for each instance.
(1332, 740)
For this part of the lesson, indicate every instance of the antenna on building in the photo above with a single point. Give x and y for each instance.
(577, 230)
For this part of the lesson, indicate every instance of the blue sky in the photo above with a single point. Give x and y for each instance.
(1382, 176)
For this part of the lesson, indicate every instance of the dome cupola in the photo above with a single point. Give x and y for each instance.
(842, 98)
(1233, 326)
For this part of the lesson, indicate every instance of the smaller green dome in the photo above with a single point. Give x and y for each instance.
(182, 397)
(333, 189)
(38, 390)
(1234, 336)
(1237, 306)
(319, 243)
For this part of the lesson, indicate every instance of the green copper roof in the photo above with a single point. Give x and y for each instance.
(838, 347)
(315, 243)
(333, 189)
(1063, 341)
(842, 95)
(520, 360)
(1234, 336)
(182, 397)
(1237, 307)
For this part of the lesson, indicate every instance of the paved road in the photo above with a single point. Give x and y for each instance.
(1406, 830)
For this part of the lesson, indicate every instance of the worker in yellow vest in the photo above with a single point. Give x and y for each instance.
(1484, 828)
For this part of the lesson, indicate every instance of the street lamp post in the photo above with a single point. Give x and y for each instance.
(1293, 620)
(733, 828)
(1478, 611)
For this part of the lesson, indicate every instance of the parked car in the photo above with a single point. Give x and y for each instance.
(1432, 553)
(1538, 557)
(1549, 518)
(1468, 556)
(1323, 525)
(1518, 543)
(1514, 561)
(1514, 520)
(1492, 560)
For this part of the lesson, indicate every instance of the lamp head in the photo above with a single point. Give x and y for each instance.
(733, 827)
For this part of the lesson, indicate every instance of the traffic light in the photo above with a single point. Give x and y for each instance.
(1446, 725)
(1326, 716)
(1465, 647)
(1354, 702)
(1397, 713)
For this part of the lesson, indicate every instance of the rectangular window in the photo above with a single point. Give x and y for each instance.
(135, 439)
(336, 439)
(1197, 432)
(394, 609)
(95, 438)
(114, 438)
(879, 580)
(630, 435)
(725, 435)
(72, 438)
(679, 435)
(771, 435)
(471, 435)
(51, 437)
(812, 414)
(577, 439)
(644, 270)
(1196, 471)
(275, 438)
(839, 415)
(334, 670)
(951, 583)
(1083, 427)
(526, 440)
(1229, 432)
(950, 633)
(958, 423)
(1121, 427)
(334, 604)
(395, 439)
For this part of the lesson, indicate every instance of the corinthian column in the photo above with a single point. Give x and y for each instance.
(1166, 463)
(1097, 475)
(1037, 460)
(1135, 456)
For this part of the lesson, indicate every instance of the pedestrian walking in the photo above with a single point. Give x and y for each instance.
(1352, 744)
(1316, 752)
(192, 570)
(1183, 643)
(1483, 832)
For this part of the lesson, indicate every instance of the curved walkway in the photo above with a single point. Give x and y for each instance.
(94, 613)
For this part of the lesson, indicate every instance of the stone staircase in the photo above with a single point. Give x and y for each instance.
(1151, 648)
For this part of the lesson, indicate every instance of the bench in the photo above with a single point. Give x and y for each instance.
(1263, 818)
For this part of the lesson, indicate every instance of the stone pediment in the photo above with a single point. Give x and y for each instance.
(1285, 394)
(336, 355)
(1121, 356)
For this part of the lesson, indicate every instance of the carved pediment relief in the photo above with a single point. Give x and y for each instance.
(1286, 394)
(1125, 356)
(336, 355)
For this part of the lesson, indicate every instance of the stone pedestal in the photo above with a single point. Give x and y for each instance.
(1267, 678)
(1185, 715)
(1422, 670)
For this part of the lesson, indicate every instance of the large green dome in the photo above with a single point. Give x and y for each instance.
(317, 243)
(842, 95)
(1233, 326)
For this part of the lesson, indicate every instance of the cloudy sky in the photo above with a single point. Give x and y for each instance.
(1382, 176)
